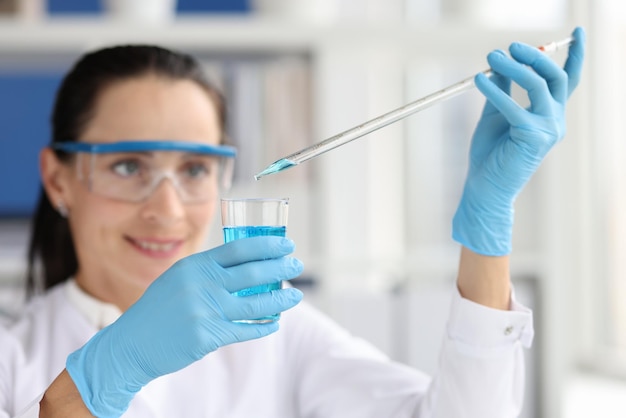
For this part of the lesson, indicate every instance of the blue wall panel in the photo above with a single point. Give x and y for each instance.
(25, 107)
(184, 6)
(74, 6)
(228, 6)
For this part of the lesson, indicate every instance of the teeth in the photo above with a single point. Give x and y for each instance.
(153, 246)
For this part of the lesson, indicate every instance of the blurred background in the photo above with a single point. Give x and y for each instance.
(372, 219)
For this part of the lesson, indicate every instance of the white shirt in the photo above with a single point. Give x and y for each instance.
(310, 368)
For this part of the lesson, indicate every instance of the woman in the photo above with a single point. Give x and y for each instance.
(134, 321)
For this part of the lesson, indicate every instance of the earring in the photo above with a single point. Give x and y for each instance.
(62, 209)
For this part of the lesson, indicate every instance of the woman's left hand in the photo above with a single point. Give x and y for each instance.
(510, 142)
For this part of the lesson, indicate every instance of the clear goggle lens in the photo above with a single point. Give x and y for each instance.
(133, 176)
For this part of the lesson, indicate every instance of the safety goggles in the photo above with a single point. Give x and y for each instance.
(132, 170)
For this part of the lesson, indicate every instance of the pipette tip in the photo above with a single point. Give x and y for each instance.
(275, 167)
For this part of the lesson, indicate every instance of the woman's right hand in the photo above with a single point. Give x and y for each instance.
(185, 314)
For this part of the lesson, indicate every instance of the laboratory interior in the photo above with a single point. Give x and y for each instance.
(372, 218)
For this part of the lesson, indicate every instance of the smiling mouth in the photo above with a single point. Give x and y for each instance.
(153, 246)
(156, 248)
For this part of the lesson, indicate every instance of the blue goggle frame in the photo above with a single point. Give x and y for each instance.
(143, 146)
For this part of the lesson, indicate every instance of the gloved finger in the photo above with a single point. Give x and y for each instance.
(574, 63)
(250, 249)
(512, 112)
(261, 304)
(246, 332)
(227, 332)
(257, 273)
(555, 76)
(501, 82)
(536, 87)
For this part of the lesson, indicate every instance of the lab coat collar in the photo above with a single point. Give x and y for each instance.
(99, 314)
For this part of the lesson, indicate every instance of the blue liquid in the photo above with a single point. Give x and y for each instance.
(238, 232)
(275, 167)
(232, 233)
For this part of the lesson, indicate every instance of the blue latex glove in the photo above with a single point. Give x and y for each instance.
(183, 315)
(510, 142)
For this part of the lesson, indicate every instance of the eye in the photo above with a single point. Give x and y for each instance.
(126, 168)
(197, 169)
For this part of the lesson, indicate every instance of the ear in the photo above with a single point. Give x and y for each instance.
(55, 177)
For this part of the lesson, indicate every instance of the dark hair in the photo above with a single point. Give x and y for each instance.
(51, 253)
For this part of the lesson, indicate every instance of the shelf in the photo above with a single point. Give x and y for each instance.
(256, 34)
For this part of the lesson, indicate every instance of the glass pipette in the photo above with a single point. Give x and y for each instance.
(387, 118)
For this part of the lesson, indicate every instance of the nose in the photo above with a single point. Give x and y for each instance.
(164, 205)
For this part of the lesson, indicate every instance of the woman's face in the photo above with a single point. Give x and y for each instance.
(123, 246)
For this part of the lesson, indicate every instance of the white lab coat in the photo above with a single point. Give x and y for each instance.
(310, 368)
